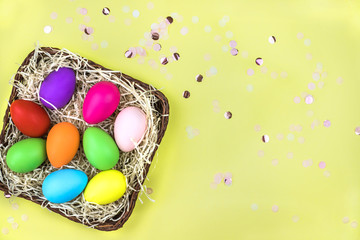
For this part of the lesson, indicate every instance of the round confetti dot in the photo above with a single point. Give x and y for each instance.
(222, 23)
(234, 51)
(275, 162)
(307, 42)
(207, 29)
(272, 40)
(357, 130)
(195, 19)
(169, 20)
(290, 155)
(88, 30)
(83, 11)
(310, 113)
(213, 185)
(339, 80)
(327, 123)
(300, 35)
(228, 115)
(254, 207)
(233, 43)
(141, 60)
(186, 94)
(311, 86)
(150, 5)
(140, 51)
(106, 11)
(173, 49)
(321, 84)
(129, 54)
(15, 225)
(164, 60)
(225, 48)
(69, 20)
(322, 165)
(111, 18)
(263, 69)
(249, 88)
(199, 78)
(104, 44)
(127, 21)
(345, 220)
(308, 56)
(226, 18)
(227, 181)
(316, 76)
(257, 128)
(10, 220)
(265, 138)
(297, 99)
(157, 47)
(250, 72)
(15, 206)
(354, 224)
(275, 208)
(309, 99)
(163, 69)
(207, 57)
(217, 38)
(213, 70)
(149, 191)
(307, 163)
(24, 217)
(301, 140)
(86, 19)
(126, 9)
(47, 29)
(295, 218)
(280, 136)
(169, 76)
(283, 74)
(136, 13)
(261, 153)
(229, 34)
(324, 74)
(304, 94)
(274, 75)
(7, 195)
(326, 173)
(244, 54)
(94, 46)
(218, 178)
(53, 15)
(290, 137)
(259, 61)
(5, 231)
(319, 66)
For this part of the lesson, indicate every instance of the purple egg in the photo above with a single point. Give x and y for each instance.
(57, 88)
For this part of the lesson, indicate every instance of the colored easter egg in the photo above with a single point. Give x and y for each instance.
(100, 102)
(26, 155)
(31, 119)
(64, 185)
(57, 88)
(105, 187)
(130, 127)
(100, 148)
(62, 143)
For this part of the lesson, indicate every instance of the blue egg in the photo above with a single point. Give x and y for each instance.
(64, 185)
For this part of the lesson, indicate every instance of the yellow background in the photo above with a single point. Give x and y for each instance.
(200, 142)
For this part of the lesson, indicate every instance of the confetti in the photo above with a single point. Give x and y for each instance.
(94, 46)
(155, 36)
(250, 72)
(316, 76)
(265, 138)
(309, 99)
(207, 29)
(233, 43)
(295, 218)
(150, 5)
(272, 39)
(5, 231)
(149, 191)
(297, 99)
(15, 225)
(327, 123)
(275, 208)
(263, 69)
(86, 19)
(164, 60)
(157, 47)
(301, 140)
(186, 94)
(290, 155)
(199, 78)
(88, 30)
(257, 128)
(259, 61)
(307, 42)
(195, 19)
(322, 165)
(111, 18)
(345, 220)
(53, 15)
(136, 13)
(357, 130)
(129, 54)
(228, 181)
(274, 75)
(275, 162)
(24, 217)
(228, 115)
(326, 173)
(311, 86)
(339, 80)
(10, 220)
(104, 44)
(254, 207)
(15, 206)
(280, 136)
(354, 224)
(106, 11)
(229, 34)
(47, 29)
(249, 88)
(126, 9)
(307, 163)
(300, 35)
(69, 20)
(127, 21)
(234, 51)
(218, 178)
(261, 153)
(217, 38)
(184, 31)
(83, 11)
(283, 74)
(169, 20)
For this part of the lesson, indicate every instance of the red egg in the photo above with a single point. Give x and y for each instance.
(30, 118)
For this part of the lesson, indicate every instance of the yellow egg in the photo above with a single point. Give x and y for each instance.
(105, 187)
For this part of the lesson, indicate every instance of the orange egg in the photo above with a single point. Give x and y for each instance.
(62, 143)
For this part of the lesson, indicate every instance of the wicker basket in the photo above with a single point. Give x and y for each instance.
(162, 107)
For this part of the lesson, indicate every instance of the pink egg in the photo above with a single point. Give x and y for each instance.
(129, 129)
(100, 102)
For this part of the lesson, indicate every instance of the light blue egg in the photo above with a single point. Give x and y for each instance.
(64, 185)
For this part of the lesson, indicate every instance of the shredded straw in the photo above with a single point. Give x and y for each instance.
(131, 164)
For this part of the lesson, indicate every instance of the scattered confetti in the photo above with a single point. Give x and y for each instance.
(321, 84)
(111, 18)
(213, 70)
(127, 21)
(280, 136)
(89, 30)
(295, 218)
(311, 86)
(136, 13)
(225, 48)
(207, 57)
(297, 99)
(290, 155)
(186, 94)
(234, 51)
(94, 46)
(5, 231)
(283, 74)
(322, 165)
(257, 128)
(326, 173)
(261, 153)
(10, 220)
(126, 9)
(157, 47)
(24, 217)
(345, 220)
(272, 40)
(216, 106)
(104, 44)
(300, 35)
(7, 195)
(150, 5)
(47, 29)
(249, 88)
(195, 19)
(244, 54)
(301, 140)
(184, 31)
(192, 132)
(207, 29)
(339, 80)
(265, 138)
(275, 208)
(309, 99)
(307, 42)
(106, 11)
(217, 38)
(164, 60)
(357, 130)
(169, 20)
(229, 34)
(69, 20)
(274, 75)
(53, 15)
(250, 72)
(308, 56)
(259, 61)
(316, 76)
(233, 43)
(218, 178)
(307, 163)
(354, 224)
(263, 69)
(149, 191)
(155, 36)
(254, 207)
(15, 206)
(228, 179)
(275, 162)
(327, 123)
(15, 225)
(83, 11)
(129, 54)
(199, 78)
(86, 19)
(228, 115)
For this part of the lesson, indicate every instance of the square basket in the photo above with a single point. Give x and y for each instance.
(161, 106)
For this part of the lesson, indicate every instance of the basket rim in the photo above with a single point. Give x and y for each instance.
(162, 106)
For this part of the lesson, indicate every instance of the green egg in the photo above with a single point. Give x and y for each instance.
(100, 148)
(26, 155)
